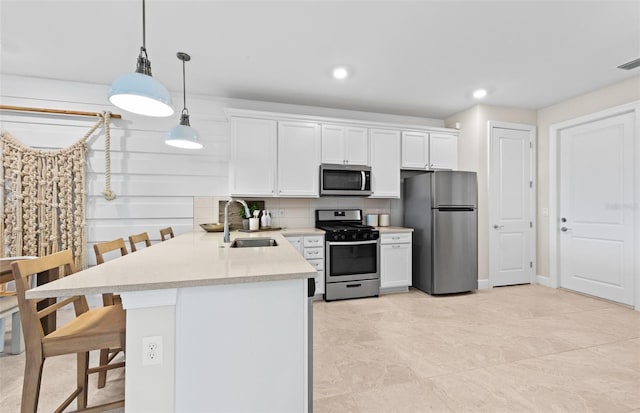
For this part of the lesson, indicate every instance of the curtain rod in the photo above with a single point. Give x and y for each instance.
(55, 111)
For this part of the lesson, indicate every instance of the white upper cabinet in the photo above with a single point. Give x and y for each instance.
(278, 155)
(443, 151)
(415, 150)
(347, 145)
(385, 163)
(422, 150)
(252, 169)
(298, 159)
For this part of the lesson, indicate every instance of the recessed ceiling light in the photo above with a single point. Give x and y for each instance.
(340, 72)
(479, 93)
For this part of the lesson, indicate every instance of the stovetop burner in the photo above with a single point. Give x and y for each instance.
(344, 225)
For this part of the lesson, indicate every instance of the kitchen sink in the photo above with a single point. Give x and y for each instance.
(253, 242)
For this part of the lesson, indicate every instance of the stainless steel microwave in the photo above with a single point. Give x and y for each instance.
(348, 180)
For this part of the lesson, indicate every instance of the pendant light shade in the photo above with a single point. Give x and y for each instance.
(183, 135)
(139, 92)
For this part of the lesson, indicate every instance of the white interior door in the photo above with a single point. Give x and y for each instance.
(596, 196)
(510, 206)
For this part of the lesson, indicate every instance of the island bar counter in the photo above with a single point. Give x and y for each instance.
(231, 323)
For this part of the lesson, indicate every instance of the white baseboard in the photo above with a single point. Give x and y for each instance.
(391, 290)
(544, 280)
(483, 284)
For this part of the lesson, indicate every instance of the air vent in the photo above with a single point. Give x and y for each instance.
(630, 65)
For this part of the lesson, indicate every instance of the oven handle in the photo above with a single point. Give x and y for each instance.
(364, 180)
(332, 243)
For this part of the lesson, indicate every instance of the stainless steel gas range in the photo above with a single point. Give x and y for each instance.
(352, 263)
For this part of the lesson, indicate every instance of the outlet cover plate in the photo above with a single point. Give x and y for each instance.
(151, 350)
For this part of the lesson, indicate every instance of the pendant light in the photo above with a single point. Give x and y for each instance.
(183, 135)
(139, 92)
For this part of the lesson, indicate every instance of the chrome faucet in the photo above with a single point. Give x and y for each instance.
(227, 238)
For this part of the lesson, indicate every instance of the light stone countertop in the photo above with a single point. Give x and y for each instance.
(301, 231)
(394, 229)
(188, 260)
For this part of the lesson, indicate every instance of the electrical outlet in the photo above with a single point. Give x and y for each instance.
(151, 350)
(281, 212)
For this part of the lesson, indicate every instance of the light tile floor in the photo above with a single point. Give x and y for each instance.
(511, 349)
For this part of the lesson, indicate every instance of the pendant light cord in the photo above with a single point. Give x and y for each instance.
(144, 31)
(184, 88)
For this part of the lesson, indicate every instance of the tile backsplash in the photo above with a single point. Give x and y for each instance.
(292, 212)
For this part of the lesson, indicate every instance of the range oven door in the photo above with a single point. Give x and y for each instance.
(352, 261)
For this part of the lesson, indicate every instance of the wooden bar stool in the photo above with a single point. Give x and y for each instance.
(101, 249)
(166, 233)
(138, 238)
(9, 306)
(92, 329)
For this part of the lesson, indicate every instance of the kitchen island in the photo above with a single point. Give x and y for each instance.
(228, 326)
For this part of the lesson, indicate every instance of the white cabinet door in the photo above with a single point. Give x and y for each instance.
(415, 150)
(253, 157)
(298, 159)
(297, 243)
(395, 265)
(385, 163)
(356, 143)
(333, 144)
(443, 151)
(345, 145)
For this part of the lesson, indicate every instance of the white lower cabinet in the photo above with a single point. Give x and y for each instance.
(395, 260)
(311, 247)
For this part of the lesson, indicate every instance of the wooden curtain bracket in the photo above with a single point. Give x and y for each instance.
(55, 111)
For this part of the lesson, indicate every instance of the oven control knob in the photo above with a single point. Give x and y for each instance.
(354, 237)
(365, 235)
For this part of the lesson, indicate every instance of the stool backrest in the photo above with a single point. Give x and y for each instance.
(166, 233)
(137, 238)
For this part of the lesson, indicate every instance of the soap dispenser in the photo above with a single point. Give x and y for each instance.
(264, 219)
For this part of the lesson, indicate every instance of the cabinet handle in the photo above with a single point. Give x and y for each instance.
(395, 237)
(395, 246)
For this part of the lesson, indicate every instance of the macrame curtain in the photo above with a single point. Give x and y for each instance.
(44, 197)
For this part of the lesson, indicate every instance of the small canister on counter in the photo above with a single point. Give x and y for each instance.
(372, 219)
(384, 220)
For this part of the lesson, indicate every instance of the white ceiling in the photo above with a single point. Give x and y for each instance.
(417, 58)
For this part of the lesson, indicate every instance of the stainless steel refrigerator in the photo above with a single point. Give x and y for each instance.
(441, 207)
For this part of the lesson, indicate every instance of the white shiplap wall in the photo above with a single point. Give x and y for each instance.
(155, 184)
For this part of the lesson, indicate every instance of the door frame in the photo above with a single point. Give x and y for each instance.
(554, 168)
(532, 129)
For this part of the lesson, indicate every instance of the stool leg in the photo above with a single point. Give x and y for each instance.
(17, 338)
(104, 359)
(31, 384)
(83, 379)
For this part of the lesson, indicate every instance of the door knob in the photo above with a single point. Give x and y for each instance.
(563, 219)
(498, 226)
(564, 229)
